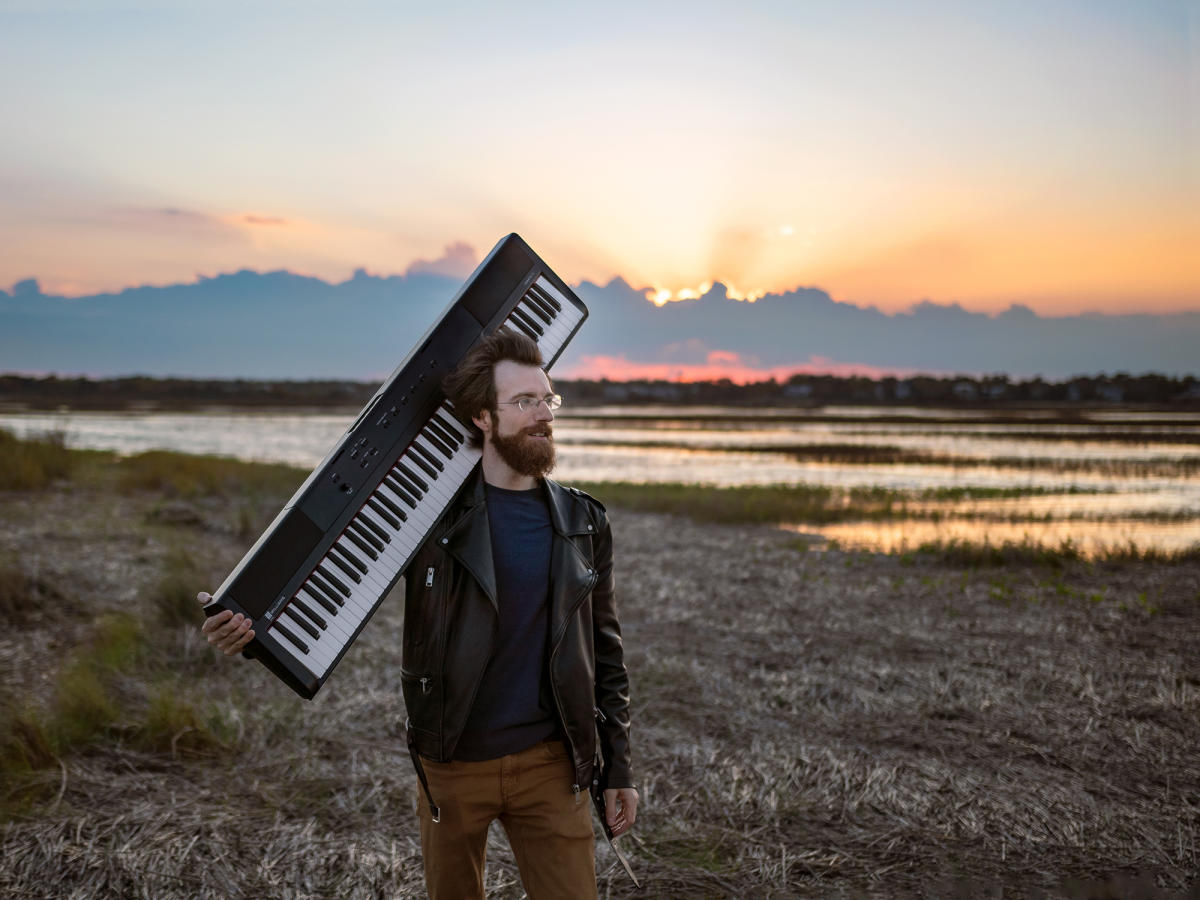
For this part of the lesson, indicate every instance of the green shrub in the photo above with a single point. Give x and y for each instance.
(85, 704)
(24, 743)
(173, 725)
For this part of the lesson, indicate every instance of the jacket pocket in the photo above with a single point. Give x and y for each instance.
(422, 702)
(416, 681)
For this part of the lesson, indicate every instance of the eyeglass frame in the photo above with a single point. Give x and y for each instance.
(528, 402)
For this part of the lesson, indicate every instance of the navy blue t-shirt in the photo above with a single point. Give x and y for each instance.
(513, 709)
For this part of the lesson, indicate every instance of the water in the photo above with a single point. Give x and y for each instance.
(1135, 476)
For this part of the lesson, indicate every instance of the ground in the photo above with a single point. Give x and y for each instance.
(805, 723)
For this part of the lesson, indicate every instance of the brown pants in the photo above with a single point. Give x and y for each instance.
(548, 826)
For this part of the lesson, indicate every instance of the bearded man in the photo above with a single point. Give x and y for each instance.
(513, 669)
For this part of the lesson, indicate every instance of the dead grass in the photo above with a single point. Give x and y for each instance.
(1032, 553)
(33, 464)
(174, 595)
(756, 503)
(804, 725)
(183, 475)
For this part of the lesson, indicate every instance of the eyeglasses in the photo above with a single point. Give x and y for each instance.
(526, 403)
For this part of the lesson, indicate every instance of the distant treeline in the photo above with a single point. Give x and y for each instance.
(51, 392)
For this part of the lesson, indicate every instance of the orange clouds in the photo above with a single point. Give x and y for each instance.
(718, 364)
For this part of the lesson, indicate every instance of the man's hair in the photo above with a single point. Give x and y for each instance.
(471, 387)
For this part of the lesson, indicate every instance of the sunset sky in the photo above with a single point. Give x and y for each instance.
(1043, 153)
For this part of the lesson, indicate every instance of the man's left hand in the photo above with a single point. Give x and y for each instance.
(620, 809)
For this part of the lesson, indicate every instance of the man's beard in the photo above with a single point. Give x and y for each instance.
(525, 455)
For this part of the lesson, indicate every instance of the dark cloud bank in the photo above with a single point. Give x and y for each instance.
(282, 325)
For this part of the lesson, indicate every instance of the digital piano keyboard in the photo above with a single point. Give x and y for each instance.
(315, 576)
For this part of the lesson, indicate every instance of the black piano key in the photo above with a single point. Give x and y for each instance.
(398, 489)
(523, 328)
(362, 545)
(379, 510)
(542, 311)
(282, 629)
(525, 319)
(392, 507)
(312, 614)
(413, 477)
(423, 459)
(320, 585)
(341, 551)
(424, 453)
(350, 571)
(323, 589)
(438, 444)
(448, 434)
(368, 525)
(326, 604)
(539, 303)
(358, 526)
(298, 620)
(334, 580)
(546, 296)
(406, 482)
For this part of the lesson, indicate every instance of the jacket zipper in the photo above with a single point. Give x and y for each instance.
(553, 687)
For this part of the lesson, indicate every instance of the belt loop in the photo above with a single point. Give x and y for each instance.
(416, 758)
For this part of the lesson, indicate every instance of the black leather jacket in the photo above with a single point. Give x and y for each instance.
(450, 618)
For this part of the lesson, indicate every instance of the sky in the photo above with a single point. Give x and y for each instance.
(1039, 153)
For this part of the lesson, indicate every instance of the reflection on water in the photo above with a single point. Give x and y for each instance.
(611, 444)
(296, 439)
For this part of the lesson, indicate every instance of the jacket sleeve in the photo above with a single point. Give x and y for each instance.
(612, 679)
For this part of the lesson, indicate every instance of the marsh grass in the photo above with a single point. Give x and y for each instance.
(85, 702)
(34, 463)
(115, 686)
(24, 743)
(892, 455)
(974, 554)
(183, 475)
(816, 504)
(17, 591)
(766, 504)
(818, 724)
(175, 723)
(173, 596)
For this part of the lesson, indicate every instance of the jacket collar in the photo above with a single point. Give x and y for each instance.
(469, 539)
(568, 510)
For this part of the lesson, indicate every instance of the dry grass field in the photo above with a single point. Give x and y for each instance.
(806, 724)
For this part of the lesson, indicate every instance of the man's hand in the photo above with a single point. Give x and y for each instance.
(620, 809)
(227, 632)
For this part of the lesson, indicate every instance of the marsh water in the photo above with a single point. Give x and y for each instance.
(1102, 478)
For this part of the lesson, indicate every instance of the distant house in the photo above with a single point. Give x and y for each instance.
(801, 391)
(966, 390)
(1110, 393)
(995, 390)
(664, 391)
(904, 389)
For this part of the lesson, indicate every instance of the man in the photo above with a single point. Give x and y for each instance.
(513, 671)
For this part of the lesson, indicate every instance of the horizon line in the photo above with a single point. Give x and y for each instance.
(657, 297)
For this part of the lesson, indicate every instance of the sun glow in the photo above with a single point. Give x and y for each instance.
(663, 296)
